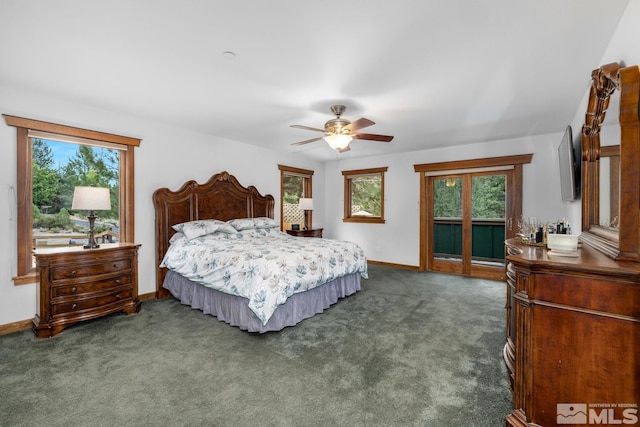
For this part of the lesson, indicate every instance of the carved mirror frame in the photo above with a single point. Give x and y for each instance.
(622, 243)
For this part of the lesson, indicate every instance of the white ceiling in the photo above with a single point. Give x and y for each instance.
(432, 73)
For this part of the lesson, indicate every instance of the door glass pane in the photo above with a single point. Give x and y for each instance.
(447, 221)
(488, 219)
(293, 190)
(57, 168)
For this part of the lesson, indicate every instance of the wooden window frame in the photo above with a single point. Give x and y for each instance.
(25, 271)
(348, 176)
(308, 187)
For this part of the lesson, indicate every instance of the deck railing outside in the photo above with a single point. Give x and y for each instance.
(487, 239)
(56, 240)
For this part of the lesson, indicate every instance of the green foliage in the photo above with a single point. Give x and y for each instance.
(59, 221)
(93, 167)
(447, 198)
(488, 197)
(293, 188)
(45, 186)
(35, 212)
(42, 154)
(366, 192)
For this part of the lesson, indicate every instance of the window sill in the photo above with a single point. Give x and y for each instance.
(365, 220)
(24, 280)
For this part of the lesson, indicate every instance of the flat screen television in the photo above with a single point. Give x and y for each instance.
(569, 168)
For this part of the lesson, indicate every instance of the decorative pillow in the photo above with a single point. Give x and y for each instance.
(249, 223)
(177, 236)
(178, 227)
(241, 223)
(193, 229)
(264, 222)
(226, 228)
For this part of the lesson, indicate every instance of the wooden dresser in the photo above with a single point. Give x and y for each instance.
(573, 336)
(315, 232)
(76, 284)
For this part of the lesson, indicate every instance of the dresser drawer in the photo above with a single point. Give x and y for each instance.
(92, 269)
(76, 305)
(77, 289)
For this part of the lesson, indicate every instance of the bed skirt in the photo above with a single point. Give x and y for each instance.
(235, 311)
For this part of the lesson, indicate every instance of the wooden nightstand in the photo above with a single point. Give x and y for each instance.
(76, 284)
(316, 232)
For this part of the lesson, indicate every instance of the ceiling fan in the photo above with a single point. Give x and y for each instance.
(340, 132)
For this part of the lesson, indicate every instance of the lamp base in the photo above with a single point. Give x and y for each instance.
(306, 220)
(91, 244)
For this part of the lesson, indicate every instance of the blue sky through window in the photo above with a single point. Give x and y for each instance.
(62, 152)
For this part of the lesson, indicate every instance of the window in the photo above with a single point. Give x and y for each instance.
(294, 184)
(364, 195)
(30, 132)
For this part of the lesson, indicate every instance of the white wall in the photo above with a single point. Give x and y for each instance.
(167, 157)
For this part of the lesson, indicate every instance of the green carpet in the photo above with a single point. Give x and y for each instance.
(410, 349)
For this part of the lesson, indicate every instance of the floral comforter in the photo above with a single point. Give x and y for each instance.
(266, 266)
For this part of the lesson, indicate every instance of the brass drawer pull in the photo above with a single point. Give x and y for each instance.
(74, 306)
(117, 296)
(73, 290)
(73, 273)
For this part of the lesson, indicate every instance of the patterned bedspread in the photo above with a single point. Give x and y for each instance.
(266, 266)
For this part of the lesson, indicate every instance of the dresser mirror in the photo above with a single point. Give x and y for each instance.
(609, 186)
(611, 172)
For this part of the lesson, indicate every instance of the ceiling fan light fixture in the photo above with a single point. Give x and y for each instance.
(340, 132)
(338, 141)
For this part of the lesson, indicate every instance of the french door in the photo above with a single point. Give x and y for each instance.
(469, 217)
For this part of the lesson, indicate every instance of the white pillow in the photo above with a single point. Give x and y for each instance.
(194, 229)
(264, 222)
(249, 223)
(177, 236)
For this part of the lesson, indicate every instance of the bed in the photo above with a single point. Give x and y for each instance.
(315, 274)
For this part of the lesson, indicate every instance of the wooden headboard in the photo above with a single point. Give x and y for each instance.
(222, 197)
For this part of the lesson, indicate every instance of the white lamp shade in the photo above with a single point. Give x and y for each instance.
(91, 199)
(305, 204)
(337, 141)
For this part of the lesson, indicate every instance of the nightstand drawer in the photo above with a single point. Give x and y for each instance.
(74, 271)
(75, 305)
(76, 289)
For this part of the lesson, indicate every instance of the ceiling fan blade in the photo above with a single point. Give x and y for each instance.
(374, 137)
(307, 128)
(359, 124)
(308, 141)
